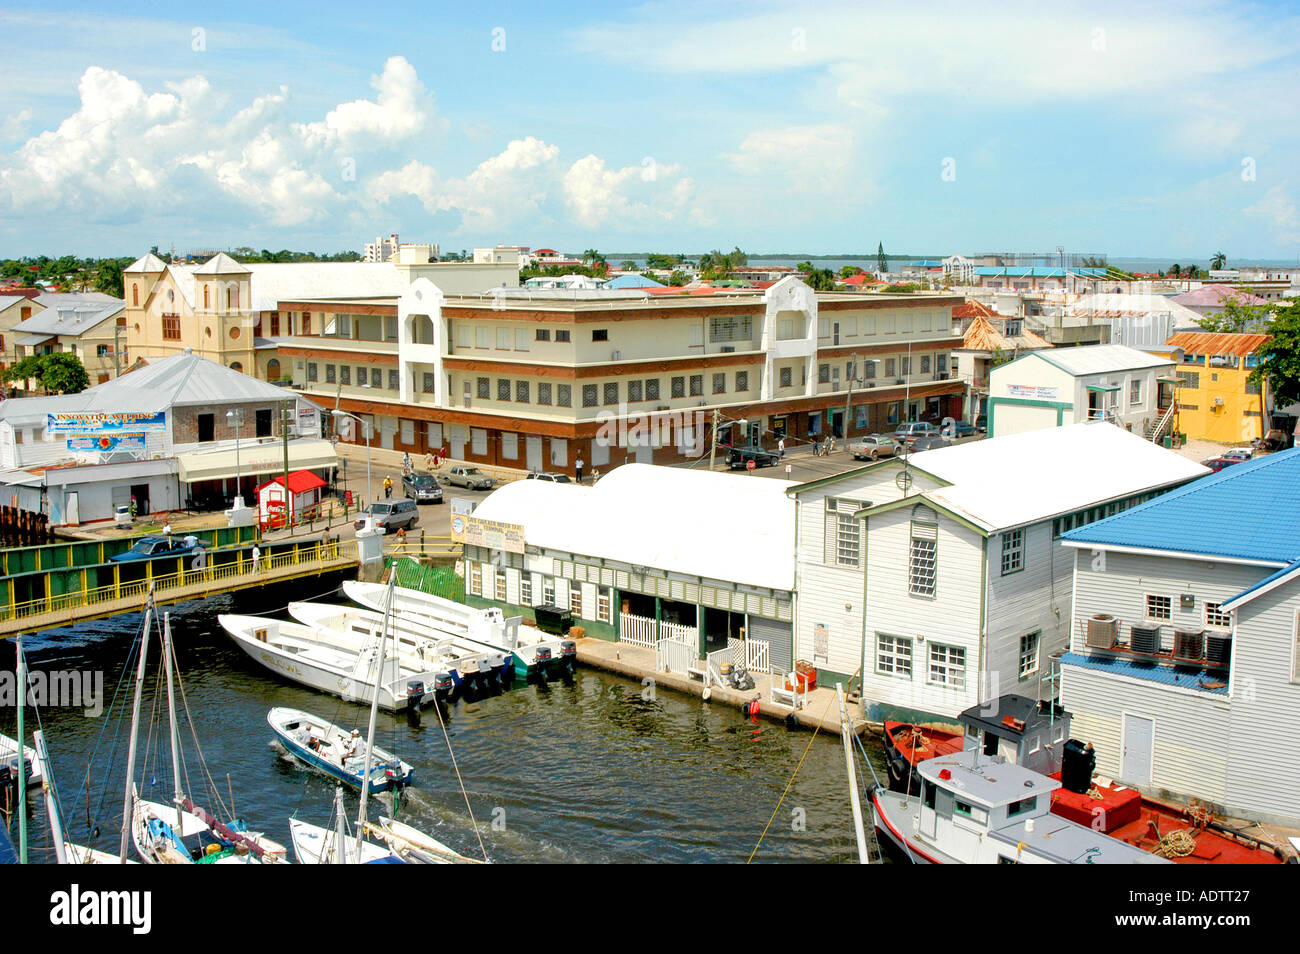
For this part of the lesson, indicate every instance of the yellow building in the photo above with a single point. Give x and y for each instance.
(1216, 400)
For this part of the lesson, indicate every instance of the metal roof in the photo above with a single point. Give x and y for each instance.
(1248, 511)
(1098, 359)
(70, 315)
(1208, 342)
(1184, 677)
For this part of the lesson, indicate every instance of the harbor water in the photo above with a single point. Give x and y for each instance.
(596, 768)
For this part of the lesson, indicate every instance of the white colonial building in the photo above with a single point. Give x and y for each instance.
(942, 578)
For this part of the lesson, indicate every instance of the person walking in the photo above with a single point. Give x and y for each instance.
(388, 487)
(579, 465)
(406, 464)
(429, 463)
(780, 447)
(257, 558)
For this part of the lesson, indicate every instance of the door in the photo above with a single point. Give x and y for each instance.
(645, 454)
(929, 817)
(141, 494)
(72, 514)
(459, 435)
(533, 450)
(837, 423)
(1139, 736)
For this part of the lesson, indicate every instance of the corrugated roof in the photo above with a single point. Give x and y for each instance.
(71, 315)
(1217, 294)
(1248, 511)
(1100, 359)
(1208, 342)
(1185, 677)
(1022, 478)
(982, 336)
(731, 527)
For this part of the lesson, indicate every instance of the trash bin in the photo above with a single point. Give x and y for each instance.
(551, 619)
(1169, 441)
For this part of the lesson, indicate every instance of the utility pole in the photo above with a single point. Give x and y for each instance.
(713, 439)
(848, 401)
(117, 348)
(284, 435)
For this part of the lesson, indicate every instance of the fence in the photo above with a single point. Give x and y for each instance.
(753, 654)
(672, 655)
(644, 631)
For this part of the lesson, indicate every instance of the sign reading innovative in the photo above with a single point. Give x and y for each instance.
(106, 422)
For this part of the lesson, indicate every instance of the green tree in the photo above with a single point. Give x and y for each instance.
(1279, 357)
(1175, 270)
(58, 373)
(677, 279)
(628, 266)
(108, 277)
(1218, 260)
(882, 263)
(1235, 317)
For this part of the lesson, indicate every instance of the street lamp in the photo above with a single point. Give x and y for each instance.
(339, 414)
(235, 418)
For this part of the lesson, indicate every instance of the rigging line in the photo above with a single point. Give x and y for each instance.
(789, 783)
(461, 782)
(121, 681)
(203, 762)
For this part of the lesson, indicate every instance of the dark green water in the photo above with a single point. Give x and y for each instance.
(584, 771)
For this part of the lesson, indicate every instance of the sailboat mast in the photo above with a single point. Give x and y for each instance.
(128, 800)
(340, 834)
(47, 788)
(21, 673)
(177, 795)
(374, 711)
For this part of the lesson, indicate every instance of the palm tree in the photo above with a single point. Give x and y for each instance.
(1218, 260)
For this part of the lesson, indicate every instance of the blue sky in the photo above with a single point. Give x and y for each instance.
(1130, 129)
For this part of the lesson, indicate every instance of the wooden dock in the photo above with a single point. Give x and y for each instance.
(302, 559)
(820, 710)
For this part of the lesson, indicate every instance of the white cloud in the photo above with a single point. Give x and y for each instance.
(800, 155)
(15, 126)
(403, 108)
(1278, 208)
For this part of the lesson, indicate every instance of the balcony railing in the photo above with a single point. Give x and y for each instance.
(1155, 642)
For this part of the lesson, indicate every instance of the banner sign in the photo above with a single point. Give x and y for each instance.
(92, 422)
(494, 536)
(1033, 392)
(106, 443)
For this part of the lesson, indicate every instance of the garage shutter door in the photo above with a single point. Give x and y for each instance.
(781, 637)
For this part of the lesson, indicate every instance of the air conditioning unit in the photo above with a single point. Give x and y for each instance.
(1144, 639)
(1189, 643)
(728, 349)
(1103, 631)
(1218, 650)
(1218, 402)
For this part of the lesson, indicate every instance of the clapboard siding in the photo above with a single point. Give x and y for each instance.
(1034, 598)
(824, 591)
(952, 617)
(1263, 770)
(1190, 751)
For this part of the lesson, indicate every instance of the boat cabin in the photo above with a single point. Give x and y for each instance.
(1031, 733)
(979, 809)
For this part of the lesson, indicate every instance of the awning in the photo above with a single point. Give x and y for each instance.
(31, 339)
(1103, 388)
(255, 459)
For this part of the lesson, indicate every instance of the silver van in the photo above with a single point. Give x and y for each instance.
(392, 515)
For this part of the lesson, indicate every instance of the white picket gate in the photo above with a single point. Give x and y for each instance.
(637, 630)
(672, 655)
(680, 632)
(753, 654)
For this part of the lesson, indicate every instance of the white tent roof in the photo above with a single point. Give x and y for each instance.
(1022, 478)
(729, 527)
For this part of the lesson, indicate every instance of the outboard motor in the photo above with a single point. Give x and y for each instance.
(414, 693)
(569, 653)
(1078, 762)
(443, 685)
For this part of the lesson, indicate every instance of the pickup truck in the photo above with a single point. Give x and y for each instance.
(741, 456)
(471, 478)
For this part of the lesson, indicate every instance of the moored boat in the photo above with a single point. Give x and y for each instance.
(535, 652)
(9, 757)
(1035, 735)
(334, 751)
(324, 661)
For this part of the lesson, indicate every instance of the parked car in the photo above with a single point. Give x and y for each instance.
(958, 429)
(1217, 464)
(391, 515)
(552, 478)
(1275, 440)
(931, 442)
(1239, 453)
(157, 548)
(873, 447)
(741, 456)
(422, 488)
(982, 423)
(906, 433)
(471, 478)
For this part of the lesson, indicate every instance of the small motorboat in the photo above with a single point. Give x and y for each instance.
(336, 752)
(907, 744)
(330, 662)
(314, 845)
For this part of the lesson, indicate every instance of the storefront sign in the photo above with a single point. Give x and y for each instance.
(493, 535)
(1033, 392)
(106, 422)
(106, 443)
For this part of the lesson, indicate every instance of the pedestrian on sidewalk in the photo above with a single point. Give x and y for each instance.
(780, 447)
(579, 464)
(257, 558)
(429, 463)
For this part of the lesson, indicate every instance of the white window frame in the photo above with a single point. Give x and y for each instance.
(604, 604)
(923, 549)
(951, 674)
(1215, 618)
(1029, 653)
(1147, 606)
(525, 589)
(548, 591)
(1013, 551)
(894, 654)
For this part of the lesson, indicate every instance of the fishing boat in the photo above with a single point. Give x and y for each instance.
(1036, 735)
(334, 751)
(535, 652)
(328, 662)
(9, 757)
(980, 809)
(472, 667)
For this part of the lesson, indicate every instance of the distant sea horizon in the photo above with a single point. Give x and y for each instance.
(836, 262)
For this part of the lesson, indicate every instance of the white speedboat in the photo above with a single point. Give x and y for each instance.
(331, 662)
(336, 752)
(534, 651)
(9, 757)
(416, 643)
(313, 845)
(980, 809)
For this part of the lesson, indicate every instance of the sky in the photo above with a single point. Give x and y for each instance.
(1126, 129)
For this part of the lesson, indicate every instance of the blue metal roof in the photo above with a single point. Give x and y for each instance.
(1248, 511)
(1038, 271)
(633, 281)
(1184, 677)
